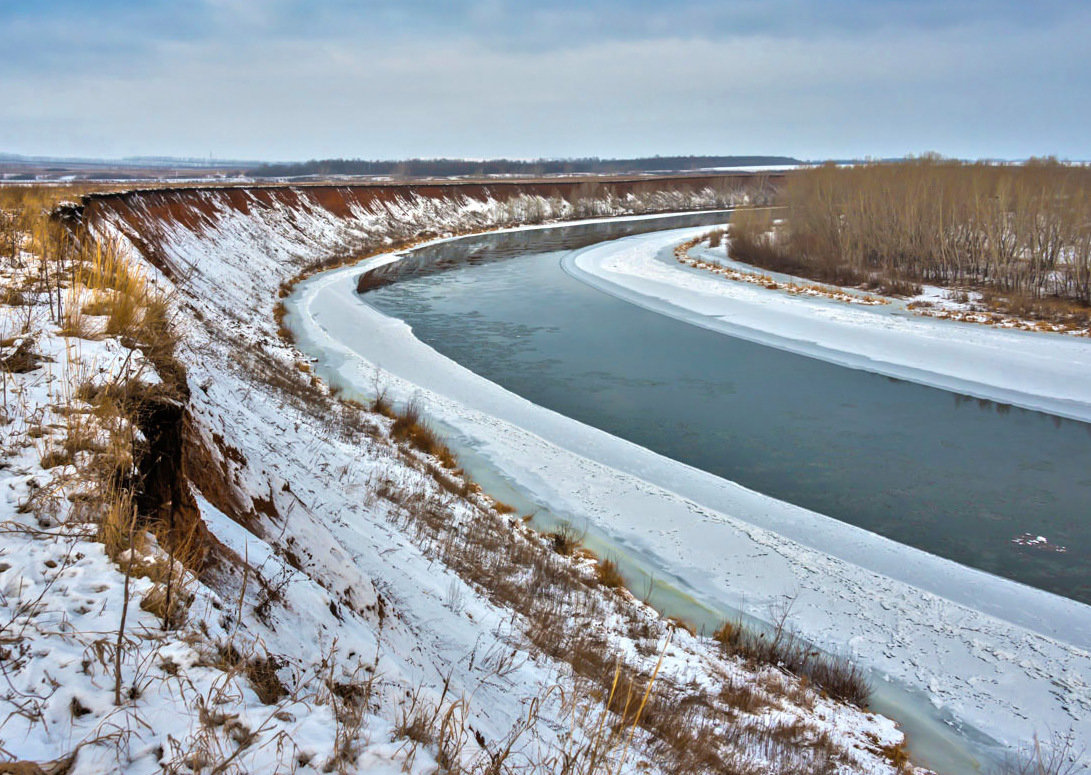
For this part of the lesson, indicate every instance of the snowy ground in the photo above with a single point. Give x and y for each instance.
(952, 304)
(1003, 660)
(320, 578)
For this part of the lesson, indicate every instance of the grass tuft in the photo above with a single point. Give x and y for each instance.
(609, 575)
(834, 674)
(410, 428)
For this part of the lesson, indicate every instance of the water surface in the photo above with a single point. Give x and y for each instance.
(959, 477)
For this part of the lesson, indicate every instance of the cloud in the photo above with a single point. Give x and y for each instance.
(288, 80)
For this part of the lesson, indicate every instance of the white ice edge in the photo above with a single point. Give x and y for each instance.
(1005, 658)
(1044, 372)
(389, 258)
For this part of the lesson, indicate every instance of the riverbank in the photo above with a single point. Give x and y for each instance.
(720, 543)
(1043, 372)
(361, 605)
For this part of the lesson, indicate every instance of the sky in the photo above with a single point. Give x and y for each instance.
(303, 79)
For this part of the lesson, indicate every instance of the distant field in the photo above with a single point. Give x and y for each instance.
(27, 169)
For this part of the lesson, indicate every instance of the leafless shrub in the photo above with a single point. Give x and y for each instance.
(566, 539)
(1061, 755)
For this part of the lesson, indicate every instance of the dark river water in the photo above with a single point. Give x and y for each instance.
(959, 477)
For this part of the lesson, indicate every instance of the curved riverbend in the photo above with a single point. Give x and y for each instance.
(971, 641)
(958, 478)
(1042, 372)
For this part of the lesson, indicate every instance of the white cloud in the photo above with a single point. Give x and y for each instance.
(971, 89)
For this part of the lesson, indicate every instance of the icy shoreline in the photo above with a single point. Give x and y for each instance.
(1043, 372)
(977, 644)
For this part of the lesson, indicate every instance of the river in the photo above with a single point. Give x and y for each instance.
(961, 479)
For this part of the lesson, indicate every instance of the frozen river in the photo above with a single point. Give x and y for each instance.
(961, 478)
(743, 475)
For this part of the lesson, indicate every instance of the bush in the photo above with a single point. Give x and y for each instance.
(609, 575)
(836, 675)
(410, 427)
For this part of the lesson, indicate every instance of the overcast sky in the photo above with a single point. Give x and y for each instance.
(300, 79)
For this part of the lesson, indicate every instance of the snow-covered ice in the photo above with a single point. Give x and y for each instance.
(1033, 370)
(1005, 660)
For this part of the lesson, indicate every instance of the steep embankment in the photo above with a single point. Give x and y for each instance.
(359, 603)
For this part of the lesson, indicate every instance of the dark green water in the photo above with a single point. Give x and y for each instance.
(958, 477)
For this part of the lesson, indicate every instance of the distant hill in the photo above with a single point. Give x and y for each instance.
(452, 167)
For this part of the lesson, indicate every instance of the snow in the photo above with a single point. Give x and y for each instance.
(1003, 661)
(1033, 370)
(328, 581)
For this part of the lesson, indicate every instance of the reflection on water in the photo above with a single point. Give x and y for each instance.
(498, 246)
(963, 478)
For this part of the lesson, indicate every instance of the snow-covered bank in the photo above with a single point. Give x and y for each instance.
(1002, 658)
(330, 630)
(1045, 372)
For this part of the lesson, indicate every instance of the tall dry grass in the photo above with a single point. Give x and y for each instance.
(94, 288)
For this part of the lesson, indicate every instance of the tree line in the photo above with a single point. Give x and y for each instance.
(1021, 230)
(468, 167)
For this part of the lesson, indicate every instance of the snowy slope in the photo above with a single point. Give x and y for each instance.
(1006, 661)
(330, 632)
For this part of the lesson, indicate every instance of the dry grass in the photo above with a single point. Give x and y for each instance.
(382, 405)
(1056, 313)
(92, 288)
(835, 675)
(117, 527)
(285, 333)
(681, 252)
(410, 428)
(608, 574)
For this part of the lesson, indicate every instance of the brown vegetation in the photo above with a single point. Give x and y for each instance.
(565, 540)
(410, 427)
(116, 435)
(609, 575)
(835, 675)
(1022, 232)
(681, 252)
